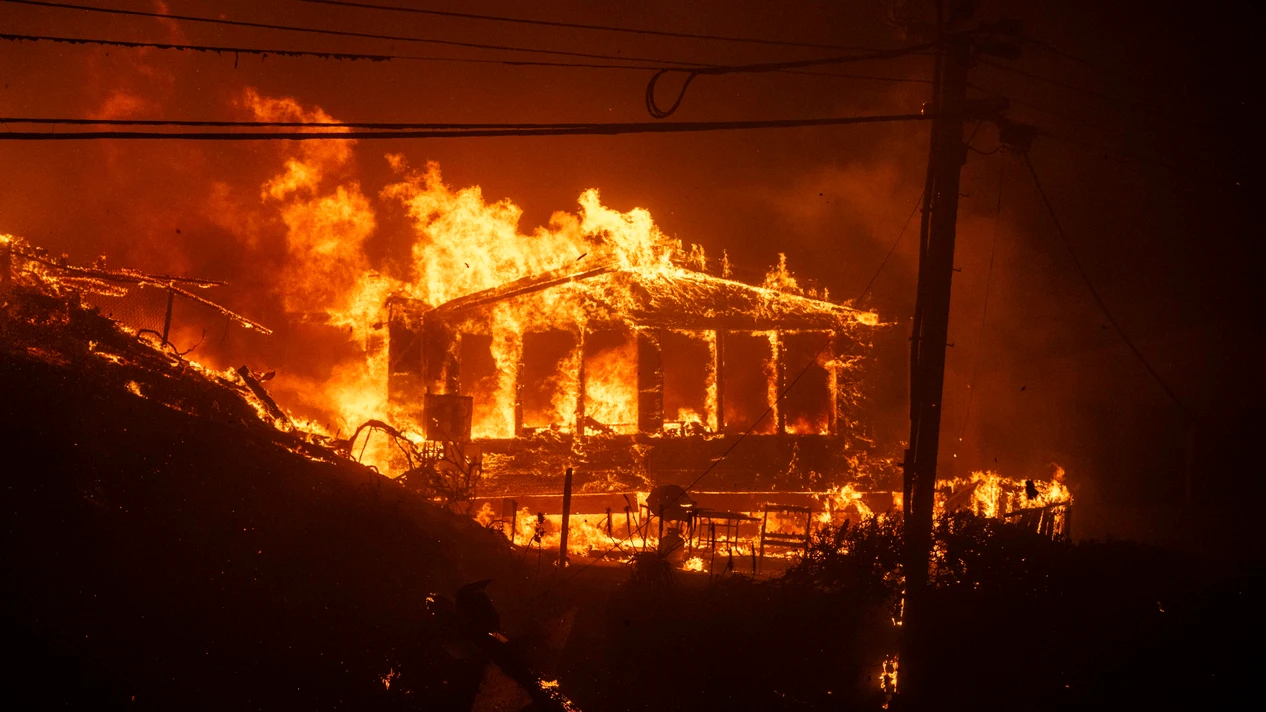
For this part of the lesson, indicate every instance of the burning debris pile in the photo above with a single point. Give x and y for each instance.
(49, 317)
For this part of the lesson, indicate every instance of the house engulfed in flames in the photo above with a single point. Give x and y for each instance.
(635, 375)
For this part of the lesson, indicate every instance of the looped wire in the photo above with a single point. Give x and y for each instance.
(652, 107)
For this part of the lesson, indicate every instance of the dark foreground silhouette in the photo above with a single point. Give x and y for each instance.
(188, 559)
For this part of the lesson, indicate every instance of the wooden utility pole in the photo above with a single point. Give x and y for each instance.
(930, 334)
(928, 342)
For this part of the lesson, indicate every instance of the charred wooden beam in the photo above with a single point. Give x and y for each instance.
(526, 285)
(650, 382)
(738, 321)
(257, 388)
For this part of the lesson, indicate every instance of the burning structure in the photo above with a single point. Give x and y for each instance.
(635, 373)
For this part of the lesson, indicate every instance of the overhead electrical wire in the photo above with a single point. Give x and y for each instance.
(335, 33)
(582, 26)
(1057, 51)
(198, 48)
(1094, 293)
(1038, 107)
(984, 311)
(1120, 151)
(1081, 142)
(653, 108)
(891, 250)
(1108, 99)
(350, 56)
(465, 130)
(383, 125)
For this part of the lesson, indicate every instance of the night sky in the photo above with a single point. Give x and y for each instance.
(1153, 169)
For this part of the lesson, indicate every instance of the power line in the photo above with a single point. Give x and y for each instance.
(984, 311)
(891, 250)
(1057, 51)
(1114, 101)
(281, 124)
(1103, 307)
(468, 130)
(1125, 105)
(652, 107)
(1121, 151)
(198, 48)
(336, 33)
(1081, 142)
(389, 57)
(1038, 107)
(581, 26)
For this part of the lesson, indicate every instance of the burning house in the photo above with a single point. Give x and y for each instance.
(634, 375)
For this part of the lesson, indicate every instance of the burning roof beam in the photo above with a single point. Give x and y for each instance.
(520, 287)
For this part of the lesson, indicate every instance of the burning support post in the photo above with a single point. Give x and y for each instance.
(580, 384)
(719, 377)
(780, 381)
(650, 382)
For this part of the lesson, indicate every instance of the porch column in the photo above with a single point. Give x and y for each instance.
(650, 381)
(719, 366)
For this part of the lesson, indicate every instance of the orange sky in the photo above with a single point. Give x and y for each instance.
(1054, 384)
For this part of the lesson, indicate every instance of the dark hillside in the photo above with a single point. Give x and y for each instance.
(191, 558)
